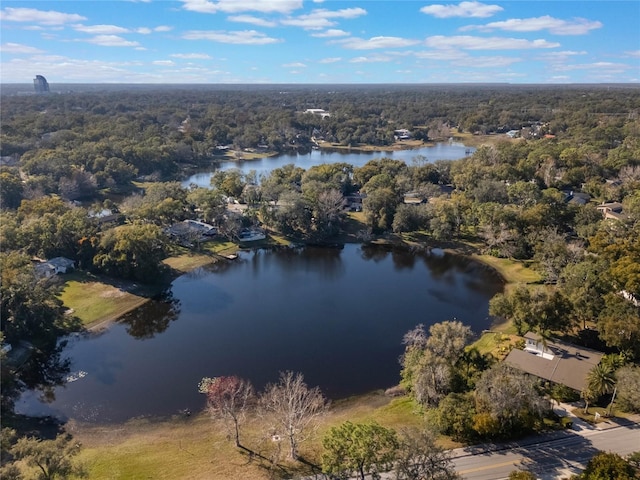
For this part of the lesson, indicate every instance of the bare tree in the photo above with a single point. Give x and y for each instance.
(293, 407)
(420, 458)
(228, 399)
(415, 337)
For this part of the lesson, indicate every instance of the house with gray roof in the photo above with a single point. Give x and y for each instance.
(54, 266)
(555, 360)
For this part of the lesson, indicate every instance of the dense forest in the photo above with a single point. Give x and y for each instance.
(562, 197)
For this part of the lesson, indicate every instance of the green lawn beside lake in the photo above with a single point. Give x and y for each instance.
(95, 302)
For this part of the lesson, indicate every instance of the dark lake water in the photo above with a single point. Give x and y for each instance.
(336, 315)
(439, 151)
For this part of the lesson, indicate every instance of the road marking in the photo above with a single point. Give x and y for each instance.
(515, 463)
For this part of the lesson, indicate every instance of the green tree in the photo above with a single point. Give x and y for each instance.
(52, 458)
(11, 191)
(511, 398)
(619, 324)
(132, 251)
(454, 416)
(607, 466)
(229, 182)
(29, 307)
(208, 203)
(629, 388)
(428, 361)
(584, 286)
(601, 380)
(379, 208)
(359, 449)
(447, 339)
(522, 475)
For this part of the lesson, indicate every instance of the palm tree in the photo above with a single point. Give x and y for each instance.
(601, 380)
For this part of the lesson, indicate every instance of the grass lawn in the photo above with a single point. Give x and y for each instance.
(186, 262)
(94, 302)
(471, 140)
(197, 447)
(498, 344)
(511, 270)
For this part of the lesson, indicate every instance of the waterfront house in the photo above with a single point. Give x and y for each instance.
(555, 360)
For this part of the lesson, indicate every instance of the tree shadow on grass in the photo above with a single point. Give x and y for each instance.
(277, 469)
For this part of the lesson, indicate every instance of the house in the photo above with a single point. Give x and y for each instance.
(318, 111)
(353, 202)
(611, 210)
(556, 361)
(191, 230)
(54, 266)
(402, 134)
(413, 198)
(251, 235)
(576, 198)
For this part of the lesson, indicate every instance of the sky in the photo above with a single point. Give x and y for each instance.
(320, 41)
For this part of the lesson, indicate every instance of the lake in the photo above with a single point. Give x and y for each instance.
(439, 151)
(337, 315)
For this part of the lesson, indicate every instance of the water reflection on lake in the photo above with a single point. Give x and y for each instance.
(336, 315)
(438, 151)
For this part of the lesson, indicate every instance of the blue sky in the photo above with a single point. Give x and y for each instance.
(314, 41)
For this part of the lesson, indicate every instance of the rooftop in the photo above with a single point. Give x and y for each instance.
(558, 362)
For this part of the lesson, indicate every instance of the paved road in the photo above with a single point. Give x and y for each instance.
(555, 457)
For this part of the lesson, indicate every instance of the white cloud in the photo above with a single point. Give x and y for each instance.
(444, 54)
(485, 61)
(355, 43)
(560, 57)
(100, 29)
(463, 9)
(112, 41)
(32, 15)
(577, 26)
(191, 56)
(114, 29)
(370, 59)
(294, 65)
(633, 53)
(322, 18)
(331, 33)
(260, 22)
(236, 6)
(330, 60)
(468, 42)
(609, 67)
(463, 59)
(164, 63)
(244, 37)
(65, 69)
(18, 48)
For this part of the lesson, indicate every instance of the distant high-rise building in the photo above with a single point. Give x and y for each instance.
(40, 84)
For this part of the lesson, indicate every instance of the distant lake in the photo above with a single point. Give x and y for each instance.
(439, 151)
(336, 315)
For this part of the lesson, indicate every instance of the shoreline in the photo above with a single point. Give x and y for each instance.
(207, 258)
